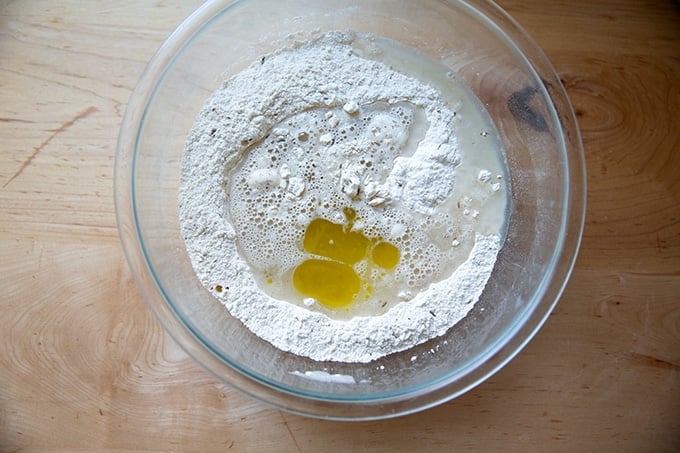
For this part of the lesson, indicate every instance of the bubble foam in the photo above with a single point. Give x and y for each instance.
(314, 165)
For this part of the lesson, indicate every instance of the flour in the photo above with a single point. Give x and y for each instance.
(310, 132)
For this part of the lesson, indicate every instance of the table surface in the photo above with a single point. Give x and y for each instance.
(85, 367)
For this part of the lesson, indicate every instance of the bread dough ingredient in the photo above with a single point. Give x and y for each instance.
(335, 198)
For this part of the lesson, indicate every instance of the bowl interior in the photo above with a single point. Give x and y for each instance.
(520, 91)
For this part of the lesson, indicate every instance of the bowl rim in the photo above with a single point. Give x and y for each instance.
(496, 356)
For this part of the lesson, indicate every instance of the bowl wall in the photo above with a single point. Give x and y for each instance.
(518, 87)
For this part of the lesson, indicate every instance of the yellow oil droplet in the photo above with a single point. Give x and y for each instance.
(385, 255)
(334, 283)
(331, 283)
(332, 241)
(350, 215)
(270, 280)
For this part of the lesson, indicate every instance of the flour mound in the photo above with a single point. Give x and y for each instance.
(304, 133)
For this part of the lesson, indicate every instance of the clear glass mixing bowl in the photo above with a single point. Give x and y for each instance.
(523, 95)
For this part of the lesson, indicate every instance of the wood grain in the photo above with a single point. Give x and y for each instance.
(85, 367)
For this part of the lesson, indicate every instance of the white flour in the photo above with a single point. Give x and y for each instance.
(302, 134)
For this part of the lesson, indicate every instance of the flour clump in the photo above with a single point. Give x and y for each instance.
(329, 189)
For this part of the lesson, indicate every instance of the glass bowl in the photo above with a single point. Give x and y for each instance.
(521, 92)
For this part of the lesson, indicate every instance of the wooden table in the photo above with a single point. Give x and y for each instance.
(85, 367)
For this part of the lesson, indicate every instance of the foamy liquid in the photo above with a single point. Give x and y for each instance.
(300, 172)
